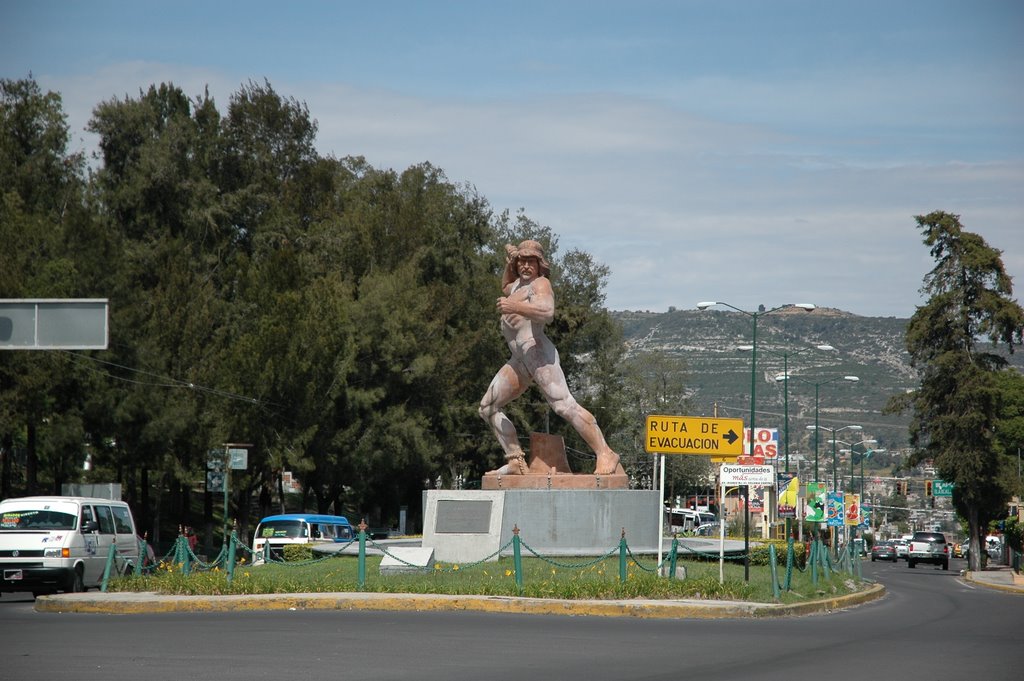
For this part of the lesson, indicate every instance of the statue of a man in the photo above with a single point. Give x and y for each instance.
(527, 305)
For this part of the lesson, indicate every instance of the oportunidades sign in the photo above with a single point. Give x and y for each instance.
(747, 475)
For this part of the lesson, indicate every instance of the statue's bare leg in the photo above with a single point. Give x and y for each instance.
(551, 381)
(506, 385)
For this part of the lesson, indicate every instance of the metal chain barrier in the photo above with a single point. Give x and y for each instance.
(184, 558)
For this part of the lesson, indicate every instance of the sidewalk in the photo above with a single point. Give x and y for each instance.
(1000, 577)
(149, 602)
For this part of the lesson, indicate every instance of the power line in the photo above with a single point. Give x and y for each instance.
(162, 381)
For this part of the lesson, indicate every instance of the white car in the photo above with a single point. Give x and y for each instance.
(902, 548)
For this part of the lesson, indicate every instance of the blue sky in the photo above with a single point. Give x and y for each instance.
(753, 152)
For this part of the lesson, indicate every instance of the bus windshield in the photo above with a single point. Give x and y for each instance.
(281, 529)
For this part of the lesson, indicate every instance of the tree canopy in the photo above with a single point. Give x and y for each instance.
(335, 316)
(956, 409)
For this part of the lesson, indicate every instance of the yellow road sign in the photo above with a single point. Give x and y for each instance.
(719, 438)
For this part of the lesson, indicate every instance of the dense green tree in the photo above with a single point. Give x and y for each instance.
(655, 383)
(337, 317)
(955, 410)
(1010, 426)
(42, 213)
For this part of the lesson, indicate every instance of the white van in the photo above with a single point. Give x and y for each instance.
(50, 544)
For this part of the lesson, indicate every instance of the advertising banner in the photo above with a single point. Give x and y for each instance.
(789, 487)
(851, 504)
(814, 512)
(766, 442)
(757, 496)
(835, 509)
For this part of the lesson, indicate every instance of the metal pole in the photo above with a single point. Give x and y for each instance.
(785, 419)
(816, 431)
(661, 509)
(227, 479)
(851, 467)
(753, 430)
(721, 538)
(785, 402)
(835, 480)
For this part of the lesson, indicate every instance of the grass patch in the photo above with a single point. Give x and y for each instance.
(567, 578)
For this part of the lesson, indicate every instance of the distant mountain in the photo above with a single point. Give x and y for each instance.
(871, 348)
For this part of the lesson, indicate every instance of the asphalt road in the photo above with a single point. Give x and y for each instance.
(931, 625)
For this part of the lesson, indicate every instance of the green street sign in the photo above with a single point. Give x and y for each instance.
(941, 488)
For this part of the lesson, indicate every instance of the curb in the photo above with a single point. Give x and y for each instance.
(149, 603)
(1006, 588)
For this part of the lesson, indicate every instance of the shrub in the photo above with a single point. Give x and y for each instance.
(294, 553)
(760, 555)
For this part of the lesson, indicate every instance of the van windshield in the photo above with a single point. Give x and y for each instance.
(36, 520)
(281, 529)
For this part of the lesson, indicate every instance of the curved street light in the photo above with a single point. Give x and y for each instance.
(868, 451)
(784, 379)
(817, 386)
(833, 431)
(753, 400)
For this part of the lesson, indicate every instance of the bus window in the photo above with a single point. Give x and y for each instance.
(283, 529)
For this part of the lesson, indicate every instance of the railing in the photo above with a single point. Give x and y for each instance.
(181, 557)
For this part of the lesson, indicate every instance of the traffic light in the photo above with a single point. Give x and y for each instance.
(901, 487)
(928, 488)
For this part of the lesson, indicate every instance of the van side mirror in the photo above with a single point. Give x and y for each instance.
(90, 526)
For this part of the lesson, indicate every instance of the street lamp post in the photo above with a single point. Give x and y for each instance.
(832, 432)
(835, 484)
(753, 401)
(868, 452)
(851, 451)
(784, 379)
(817, 387)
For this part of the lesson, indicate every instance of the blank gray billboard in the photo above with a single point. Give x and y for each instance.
(54, 324)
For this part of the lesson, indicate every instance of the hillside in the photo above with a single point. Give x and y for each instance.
(870, 348)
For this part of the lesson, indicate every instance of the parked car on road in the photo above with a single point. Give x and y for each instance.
(884, 550)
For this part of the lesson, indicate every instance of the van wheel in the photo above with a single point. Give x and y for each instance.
(77, 583)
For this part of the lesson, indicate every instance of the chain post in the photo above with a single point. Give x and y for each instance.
(231, 553)
(773, 561)
(672, 560)
(622, 556)
(362, 552)
(517, 557)
(143, 552)
(790, 559)
(110, 561)
(186, 559)
(812, 561)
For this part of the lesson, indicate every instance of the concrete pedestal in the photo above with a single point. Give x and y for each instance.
(464, 526)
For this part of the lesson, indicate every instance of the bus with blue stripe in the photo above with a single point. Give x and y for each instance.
(297, 529)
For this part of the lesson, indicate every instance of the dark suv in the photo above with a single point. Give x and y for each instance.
(928, 547)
